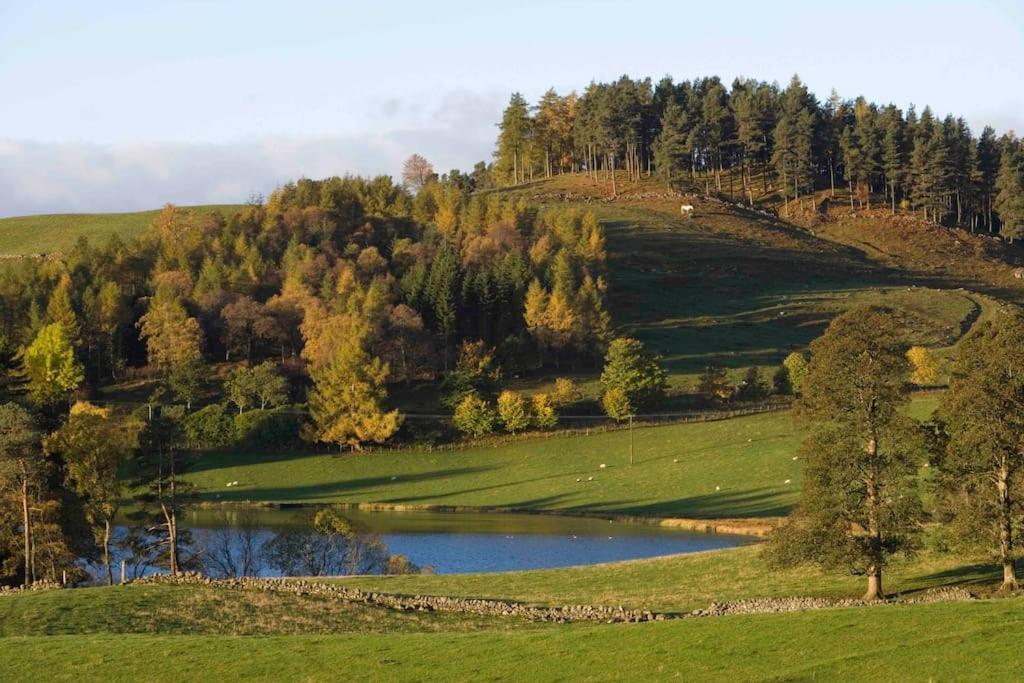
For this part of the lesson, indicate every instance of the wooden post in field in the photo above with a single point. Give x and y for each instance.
(630, 439)
(124, 564)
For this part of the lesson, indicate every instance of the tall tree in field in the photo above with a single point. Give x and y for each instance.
(94, 446)
(1009, 202)
(417, 172)
(860, 503)
(513, 140)
(50, 366)
(634, 370)
(981, 481)
(22, 469)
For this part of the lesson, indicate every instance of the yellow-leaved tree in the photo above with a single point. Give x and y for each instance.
(925, 371)
(346, 402)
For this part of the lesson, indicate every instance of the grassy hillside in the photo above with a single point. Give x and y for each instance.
(729, 468)
(740, 288)
(749, 459)
(870, 644)
(46, 234)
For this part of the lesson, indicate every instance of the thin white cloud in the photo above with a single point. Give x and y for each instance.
(72, 177)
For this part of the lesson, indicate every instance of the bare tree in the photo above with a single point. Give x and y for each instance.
(417, 172)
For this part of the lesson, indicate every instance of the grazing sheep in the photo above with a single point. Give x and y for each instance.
(603, 466)
(786, 482)
(686, 210)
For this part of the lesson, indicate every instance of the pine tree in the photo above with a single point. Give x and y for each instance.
(793, 139)
(512, 141)
(893, 153)
(671, 150)
(1009, 203)
(988, 170)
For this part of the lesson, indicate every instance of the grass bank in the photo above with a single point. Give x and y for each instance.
(972, 641)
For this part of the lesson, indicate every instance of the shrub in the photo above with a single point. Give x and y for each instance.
(209, 427)
(474, 416)
(616, 404)
(566, 392)
(274, 427)
(925, 371)
(514, 411)
(752, 388)
(544, 414)
(715, 384)
(796, 370)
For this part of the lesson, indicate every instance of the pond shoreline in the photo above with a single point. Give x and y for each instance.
(740, 526)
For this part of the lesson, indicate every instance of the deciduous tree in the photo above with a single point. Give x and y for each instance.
(860, 503)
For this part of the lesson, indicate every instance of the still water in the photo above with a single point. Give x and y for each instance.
(486, 542)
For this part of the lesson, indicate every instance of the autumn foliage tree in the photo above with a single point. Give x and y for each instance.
(417, 172)
(50, 366)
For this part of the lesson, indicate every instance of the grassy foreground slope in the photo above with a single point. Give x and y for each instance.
(204, 610)
(870, 644)
(682, 583)
(48, 233)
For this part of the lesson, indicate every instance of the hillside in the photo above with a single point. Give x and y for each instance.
(739, 287)
(49, 233)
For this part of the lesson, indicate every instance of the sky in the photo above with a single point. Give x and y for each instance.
(120, 106)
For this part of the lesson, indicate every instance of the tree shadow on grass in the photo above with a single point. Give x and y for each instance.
(966, 575)
(756, 502)
(331, 489)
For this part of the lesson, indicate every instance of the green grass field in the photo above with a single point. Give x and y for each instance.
(197, 610)
(46, 234)
(871, 644)
(729, 468)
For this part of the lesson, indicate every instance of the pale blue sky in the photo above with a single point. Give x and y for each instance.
(126, 105)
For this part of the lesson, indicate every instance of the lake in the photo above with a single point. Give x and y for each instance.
(482, 542)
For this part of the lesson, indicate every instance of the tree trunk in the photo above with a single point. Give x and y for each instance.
(611, 159)
(27, 522)
(1006, 531)
(875, 591)
(106, 552)
(874, 530)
